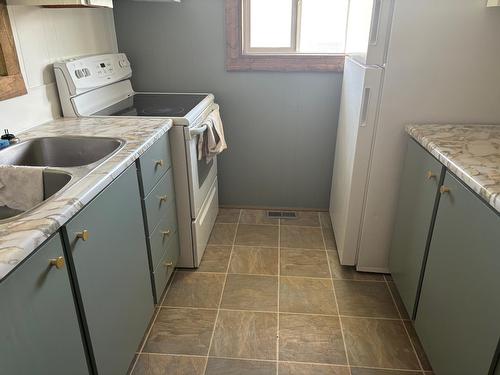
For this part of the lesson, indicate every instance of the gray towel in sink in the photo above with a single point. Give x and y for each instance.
(21, 188)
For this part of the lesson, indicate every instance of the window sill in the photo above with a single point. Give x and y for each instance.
(284, 63)
(236, 60)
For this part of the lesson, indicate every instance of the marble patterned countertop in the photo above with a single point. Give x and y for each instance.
(21, 236)
(472, 152)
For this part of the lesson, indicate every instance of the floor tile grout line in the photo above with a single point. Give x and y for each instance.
(153, 321)
(280, 312)
(222, 293)
(335, 298)
(274, 361)
(404, 327)
(275, 275)
(213, 244)
(276, 225)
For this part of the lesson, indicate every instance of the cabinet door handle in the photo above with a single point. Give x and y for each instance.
(430, 175)
(168, 264)
(166, 232)
(444, 189)
(83, 235)
(159, 163)
(163, 198)
(57, 262)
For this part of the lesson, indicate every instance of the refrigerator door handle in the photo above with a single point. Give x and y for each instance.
(374, 29)
(364, 107)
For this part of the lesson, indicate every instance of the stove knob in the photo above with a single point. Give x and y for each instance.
(86, 72)
(79, 73)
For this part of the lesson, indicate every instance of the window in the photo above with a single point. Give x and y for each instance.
(294, 26)
(286, 35)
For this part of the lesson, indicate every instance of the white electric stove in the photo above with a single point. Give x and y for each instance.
(99, 86)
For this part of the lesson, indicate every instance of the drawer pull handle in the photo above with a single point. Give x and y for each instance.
(83, 235)
(57, 262)
(163, 198)
(430, 175)
(166, 232)
(444, 189)
(168, 264)
(159, 163)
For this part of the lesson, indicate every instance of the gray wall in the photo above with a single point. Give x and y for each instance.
(280, 127)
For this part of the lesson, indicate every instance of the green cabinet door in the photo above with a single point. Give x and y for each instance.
(39, 329)
(458, 315)
(419, 194)
(112, 272)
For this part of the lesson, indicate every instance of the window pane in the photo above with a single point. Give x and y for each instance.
(323, 25)
(270, 23)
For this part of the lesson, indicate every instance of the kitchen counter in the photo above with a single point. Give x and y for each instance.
(471, 152)
(22, 235)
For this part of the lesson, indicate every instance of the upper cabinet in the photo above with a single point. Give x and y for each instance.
(11, 80)
(64, 3)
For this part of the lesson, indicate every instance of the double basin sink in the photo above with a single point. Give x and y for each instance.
(61, 157)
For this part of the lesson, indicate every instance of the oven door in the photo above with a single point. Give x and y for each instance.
(200, 173)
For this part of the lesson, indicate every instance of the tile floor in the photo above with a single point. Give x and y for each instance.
(270, 297)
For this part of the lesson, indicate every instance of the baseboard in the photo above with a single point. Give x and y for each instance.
(274, 208)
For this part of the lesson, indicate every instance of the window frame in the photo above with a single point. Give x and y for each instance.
(263, 59)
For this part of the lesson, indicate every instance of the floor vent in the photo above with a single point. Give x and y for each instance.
(281, 214)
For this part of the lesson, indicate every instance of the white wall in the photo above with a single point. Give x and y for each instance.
(43, 36)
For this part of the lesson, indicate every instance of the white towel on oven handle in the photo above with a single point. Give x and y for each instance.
(212, 142)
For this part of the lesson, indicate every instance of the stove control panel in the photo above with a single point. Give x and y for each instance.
(84, 74)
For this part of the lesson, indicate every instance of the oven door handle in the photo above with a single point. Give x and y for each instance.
(196, 131)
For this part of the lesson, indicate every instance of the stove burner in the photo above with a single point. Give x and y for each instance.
(164, 111)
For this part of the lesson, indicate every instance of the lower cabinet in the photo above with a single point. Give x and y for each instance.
(418, 197)
(39, 329)
(458, 318)
(107, 249)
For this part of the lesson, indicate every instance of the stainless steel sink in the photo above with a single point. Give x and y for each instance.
(53, 182)
(62, 152)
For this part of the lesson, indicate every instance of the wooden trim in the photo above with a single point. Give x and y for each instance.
(12, 84)
(236, 60)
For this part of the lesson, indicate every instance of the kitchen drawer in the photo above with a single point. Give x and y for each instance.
(154, 163)
(204, 223)
(163, 234)
(166, 266)
(158, 201)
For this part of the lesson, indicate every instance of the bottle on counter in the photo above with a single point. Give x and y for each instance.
(11, 138)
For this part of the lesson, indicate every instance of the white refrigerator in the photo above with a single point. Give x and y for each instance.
(408, 61)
